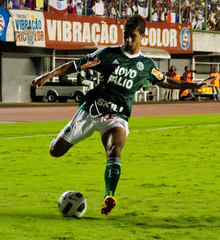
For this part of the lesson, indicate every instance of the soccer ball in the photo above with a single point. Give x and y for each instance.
(72, 204)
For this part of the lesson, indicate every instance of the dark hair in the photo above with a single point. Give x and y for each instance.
(173, 67)
(136, 22)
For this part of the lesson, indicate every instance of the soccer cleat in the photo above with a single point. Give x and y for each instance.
(108, 204)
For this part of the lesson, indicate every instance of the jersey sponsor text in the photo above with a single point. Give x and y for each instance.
(119, 79)
(109, 105)
(157, 74)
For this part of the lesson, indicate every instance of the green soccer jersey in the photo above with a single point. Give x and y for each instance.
(121, 76)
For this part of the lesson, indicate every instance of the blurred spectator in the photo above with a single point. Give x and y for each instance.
(45, 6)
(155, 13)
(215, 83)
(22, 3)
(217, 26)
(163, 15)
(172, 94)
(16, 4)
(80, 8)
(71, 7)
(142, 9)
(89, 7)
(93, 9)
(112, 11)
(10, 4)
(199, 18)
(212, 19)
(187, 15)
(192, 11)
(27, 4)
(194, 19)
(188, 77)
(134, 7)
(128, 10)
(123, 10)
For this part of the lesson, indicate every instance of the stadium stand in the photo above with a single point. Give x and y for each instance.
(202, 16)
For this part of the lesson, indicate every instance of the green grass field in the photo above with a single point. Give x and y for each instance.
(169, 186)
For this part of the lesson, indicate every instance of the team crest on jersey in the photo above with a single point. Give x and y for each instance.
(185, 38)
(140, 66)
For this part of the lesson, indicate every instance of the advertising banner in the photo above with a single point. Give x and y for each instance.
(172, 37)
(73, 32)
(70, 31)
(29, 28)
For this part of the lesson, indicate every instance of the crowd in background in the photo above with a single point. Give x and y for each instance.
(194, 12)
(190, 11)
(174, 94)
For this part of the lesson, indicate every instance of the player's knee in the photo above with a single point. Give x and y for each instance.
(56, 153)
(115, 150)
(56, 149)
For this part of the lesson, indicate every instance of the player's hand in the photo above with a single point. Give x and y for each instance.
(206, 83)
(40, 81)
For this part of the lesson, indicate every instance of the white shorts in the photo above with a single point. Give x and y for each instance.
(83, 126)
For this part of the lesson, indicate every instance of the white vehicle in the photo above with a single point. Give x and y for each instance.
(57, 91)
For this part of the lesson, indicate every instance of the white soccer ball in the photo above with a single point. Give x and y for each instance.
(72, 204)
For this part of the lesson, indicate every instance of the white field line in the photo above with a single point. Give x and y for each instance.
(156, 129)
(33, 136)
(152, 129)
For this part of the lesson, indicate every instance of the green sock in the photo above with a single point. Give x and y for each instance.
(112, 175)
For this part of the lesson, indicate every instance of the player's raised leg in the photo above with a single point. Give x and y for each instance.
(79, 128)
(113, 141)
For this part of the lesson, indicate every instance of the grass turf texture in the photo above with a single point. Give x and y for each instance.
(169, 186)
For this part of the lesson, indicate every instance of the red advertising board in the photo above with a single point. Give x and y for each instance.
(173, 37)
(59, 31)
(74, 31)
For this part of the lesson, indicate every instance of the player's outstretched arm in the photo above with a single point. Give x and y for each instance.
(64, 69)
(179, 84)
(207, 82)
